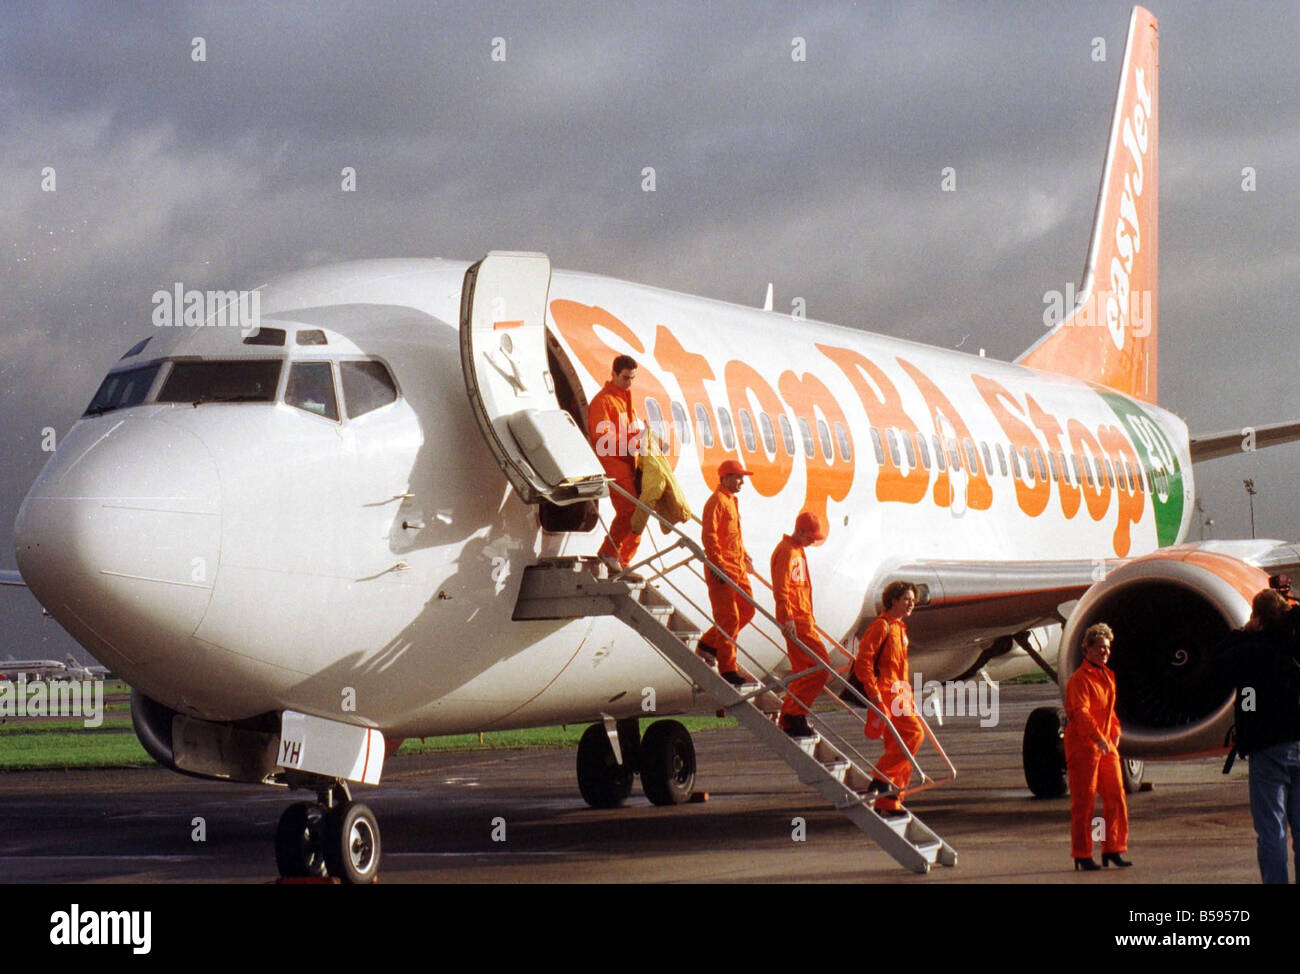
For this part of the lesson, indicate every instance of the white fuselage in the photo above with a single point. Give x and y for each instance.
(234, 559)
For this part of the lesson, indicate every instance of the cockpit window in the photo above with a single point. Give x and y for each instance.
(200, 382)
(266, 336)
(310, 336)
(311, 387)
(122, 389)
(366, 387)
(137, 348)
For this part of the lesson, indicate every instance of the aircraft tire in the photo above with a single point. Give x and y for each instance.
(1043, 753)
(604, 783)
(300, 841)
(352, 846)
(1132, 769)
(667, 763)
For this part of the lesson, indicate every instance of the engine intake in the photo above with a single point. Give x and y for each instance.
(1169, 610)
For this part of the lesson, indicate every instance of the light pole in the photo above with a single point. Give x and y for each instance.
(1250, 491)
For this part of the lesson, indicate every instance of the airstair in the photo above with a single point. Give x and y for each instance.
(547, 457)
(578, 587)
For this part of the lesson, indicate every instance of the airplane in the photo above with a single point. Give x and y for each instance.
(303, 542)
(11, 668)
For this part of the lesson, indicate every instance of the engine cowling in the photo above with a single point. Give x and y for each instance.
(1168, 610)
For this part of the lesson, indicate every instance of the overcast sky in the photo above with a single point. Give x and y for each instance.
(821, 175)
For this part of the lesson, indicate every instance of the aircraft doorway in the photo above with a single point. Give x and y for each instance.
(570, 518)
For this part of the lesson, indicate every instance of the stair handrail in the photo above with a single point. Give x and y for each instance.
(698, 552)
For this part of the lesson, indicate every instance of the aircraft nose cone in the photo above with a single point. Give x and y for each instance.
(119, 537)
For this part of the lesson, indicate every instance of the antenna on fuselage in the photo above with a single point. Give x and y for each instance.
(767, 301)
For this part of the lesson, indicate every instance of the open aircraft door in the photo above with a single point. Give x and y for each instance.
(542, 451)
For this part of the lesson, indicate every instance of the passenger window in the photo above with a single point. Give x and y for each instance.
(1135, 482)
(824, 434)
(1039, 465)
(972, 461)
(1056, 471)
(655, 419)
(988, 460)
(787, 435)
(877, 447)
(842, 438)
(892, 438)
(806, 435)
(366, 387)
(1110, 474)
(680, 423)
(908, 448)
(1002, 459)
(726, 429)
(747, 431)
(311, 388)
(940, 460)
(704, 426)
(769, 434)
(1088, 470)
(1078, 477)
(954, 454)
(1015, 463)
(1119, 474)
(924, 450)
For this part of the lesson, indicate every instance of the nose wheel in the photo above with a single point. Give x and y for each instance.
(330, 838)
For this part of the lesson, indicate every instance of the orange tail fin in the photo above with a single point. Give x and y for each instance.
(1110, 335)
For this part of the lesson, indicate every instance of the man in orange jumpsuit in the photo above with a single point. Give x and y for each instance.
(792, 589)
(724, 546)
(615, 433)
(881, 668)
(1092, 754)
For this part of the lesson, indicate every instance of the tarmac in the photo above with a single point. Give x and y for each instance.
(515, 816)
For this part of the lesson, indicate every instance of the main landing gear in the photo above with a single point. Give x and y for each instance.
(331, 837)
(664, 757)
(1043, 755)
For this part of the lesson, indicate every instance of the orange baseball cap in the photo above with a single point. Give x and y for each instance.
(728, 467)
(810, 523)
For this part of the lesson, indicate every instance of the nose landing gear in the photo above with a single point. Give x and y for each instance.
(331, 837)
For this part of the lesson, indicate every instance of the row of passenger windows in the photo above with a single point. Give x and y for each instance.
(1026, 465)
(750, 433)
(366, 385)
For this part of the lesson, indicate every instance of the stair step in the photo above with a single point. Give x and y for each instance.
(569, 588)
(836, 768)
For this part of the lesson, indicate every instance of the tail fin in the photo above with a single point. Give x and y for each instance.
(1110, 335)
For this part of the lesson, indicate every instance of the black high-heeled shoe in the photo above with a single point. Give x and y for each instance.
(1087, 865)
(1107, 858)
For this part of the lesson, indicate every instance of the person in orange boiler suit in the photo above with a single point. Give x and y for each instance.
(615, 433)
(881, 668)
(724, 546)
(792, 590)
(1092, 754)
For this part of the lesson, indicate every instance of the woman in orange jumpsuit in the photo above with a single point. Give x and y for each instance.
(882, 670)
(1092, 754)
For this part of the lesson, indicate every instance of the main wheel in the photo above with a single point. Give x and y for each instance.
(604, 783)
(1132, 770)
(352, 844)
(1043, 753)
(667, 763)
(300, 841)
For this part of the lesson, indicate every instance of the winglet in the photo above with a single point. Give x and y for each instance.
(1110, 336)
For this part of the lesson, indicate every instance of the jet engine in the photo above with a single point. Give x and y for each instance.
(1168, 610)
